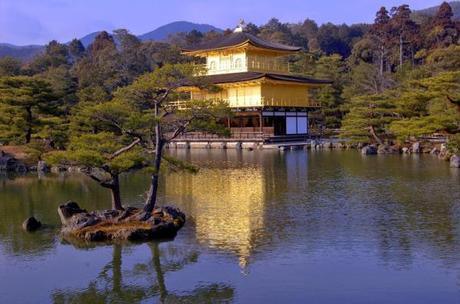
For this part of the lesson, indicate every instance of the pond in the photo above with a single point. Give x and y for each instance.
(262, 227)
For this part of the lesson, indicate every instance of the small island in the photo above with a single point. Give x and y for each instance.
(115, 225)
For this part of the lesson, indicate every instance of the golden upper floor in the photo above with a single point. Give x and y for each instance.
(233, 62)
(252, 72)
(242, 52)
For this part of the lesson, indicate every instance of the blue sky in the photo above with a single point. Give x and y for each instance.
(39, 21)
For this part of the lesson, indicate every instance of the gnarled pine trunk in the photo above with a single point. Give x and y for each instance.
(374, 135)
(159, 143)
(115, 190)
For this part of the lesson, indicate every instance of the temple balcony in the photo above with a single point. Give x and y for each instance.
(289, 102)
(257, 101)
(246, 64)
(272, 65)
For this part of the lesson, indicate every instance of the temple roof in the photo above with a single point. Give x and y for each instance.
(247, 76)
(237, 39)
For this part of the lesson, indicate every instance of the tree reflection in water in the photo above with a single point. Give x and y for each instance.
(117, 285)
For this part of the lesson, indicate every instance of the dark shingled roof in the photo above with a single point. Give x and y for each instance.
(247, 76)
(238, 38)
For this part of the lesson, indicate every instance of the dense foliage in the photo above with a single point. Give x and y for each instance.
(395, 79)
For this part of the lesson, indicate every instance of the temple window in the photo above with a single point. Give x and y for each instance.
(238, 63)
(212, 65)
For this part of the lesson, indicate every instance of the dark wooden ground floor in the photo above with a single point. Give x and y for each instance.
(267, 125)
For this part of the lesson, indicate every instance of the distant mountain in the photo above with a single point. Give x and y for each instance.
(163, 32)
(28, 52)
(88, 39)
(24, 53)
(431, 11)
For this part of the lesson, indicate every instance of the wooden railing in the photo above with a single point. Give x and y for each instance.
(199, 136)
(252, 102)
(288, 102)
(268, 65)
(251, 64)
(255, 133)
(179, 104)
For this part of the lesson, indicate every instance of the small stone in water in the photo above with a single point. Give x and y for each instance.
(31, 224)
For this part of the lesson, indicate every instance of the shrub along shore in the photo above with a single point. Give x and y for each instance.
(20, 162)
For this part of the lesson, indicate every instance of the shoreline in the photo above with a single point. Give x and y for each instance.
(439, 150)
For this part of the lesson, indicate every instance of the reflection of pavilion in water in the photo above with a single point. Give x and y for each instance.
(227, 207)
(228, 201)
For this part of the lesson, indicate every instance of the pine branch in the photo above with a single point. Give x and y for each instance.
(116, 124)
(105, 184)
(162, 98)
(180, 130)
(125, 149)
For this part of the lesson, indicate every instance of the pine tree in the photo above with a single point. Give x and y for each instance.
(9, 66)
(76, 50)
(309, 29)
(332, 68)
(444, 15)
(368, 118)
(428, 106)
(381, 32)
(443, 31)
(56, 54)
(405, 31)
(104, 144)
(365, 79)
(154, 94)
(25, 104)
(194, 37)
(102, 66)
(133, 62)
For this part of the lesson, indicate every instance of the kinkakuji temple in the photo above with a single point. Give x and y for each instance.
(269, 102)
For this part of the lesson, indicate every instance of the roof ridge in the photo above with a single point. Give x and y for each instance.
(238, 39)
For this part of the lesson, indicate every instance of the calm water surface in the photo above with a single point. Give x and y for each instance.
(263, 227)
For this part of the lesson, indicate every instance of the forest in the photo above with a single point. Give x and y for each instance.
(395, 80)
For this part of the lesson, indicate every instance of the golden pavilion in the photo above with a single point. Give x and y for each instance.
(268, 101)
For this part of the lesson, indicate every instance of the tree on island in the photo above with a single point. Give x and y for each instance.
(130, 131)
(103, 145)
(155, 95)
